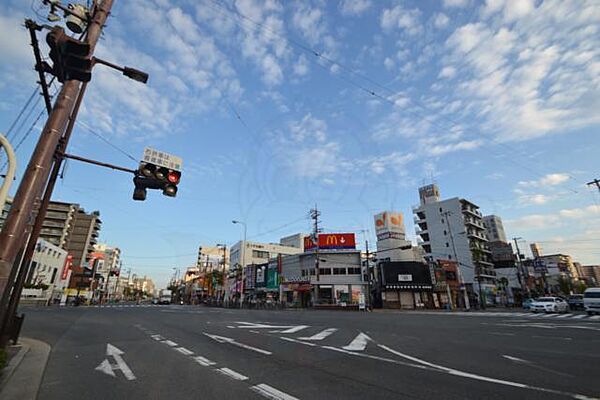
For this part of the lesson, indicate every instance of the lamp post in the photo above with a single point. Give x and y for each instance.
(243, 256)
(224, 247)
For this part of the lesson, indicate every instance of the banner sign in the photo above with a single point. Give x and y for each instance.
(332, 241)
(66, 267)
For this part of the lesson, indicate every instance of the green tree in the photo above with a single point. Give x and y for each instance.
(565, 285)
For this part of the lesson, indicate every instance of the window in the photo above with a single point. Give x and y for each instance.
(443, 222)
(445, 233)
(324, 271)
(440, 209)
(339, 271)
(449, 257)
(312, 271)
(447, 245)
(352, 271)
(260, 254)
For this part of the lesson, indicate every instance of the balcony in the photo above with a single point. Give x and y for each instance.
(471, 211)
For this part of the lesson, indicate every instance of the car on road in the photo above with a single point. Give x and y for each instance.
(549, 305)
(527, 304)
(575, 302)
(591, 301)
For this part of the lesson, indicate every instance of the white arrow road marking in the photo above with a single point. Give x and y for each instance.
(106, 367)
(359, 343)
(286, 328)
(204, 361)
(109, 368)
(223, 339)
(321, 335)
(271, 393)
(232, 374)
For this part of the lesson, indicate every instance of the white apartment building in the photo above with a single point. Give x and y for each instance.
(494, 228)
(49, 267)
(248, 253)
(453, 229)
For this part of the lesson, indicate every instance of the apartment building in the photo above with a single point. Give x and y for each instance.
(494, 228)
(453, 229)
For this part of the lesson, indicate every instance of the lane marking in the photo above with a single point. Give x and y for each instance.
(515, 359)
(184, 351)
(359, 343)
(579, 316)
(106, 367)
(469, 375)
(297, 341)
(169, 343)
(564, 316)
(501, 334)
(157, 337)
(271, 393)
(595, 317)
(321, 335)
(204, 361)
(232, 374)
(223, 339)
(549, 315)
(121, 364)
(295, 329)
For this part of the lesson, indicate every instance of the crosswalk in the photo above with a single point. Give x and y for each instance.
(566, 316)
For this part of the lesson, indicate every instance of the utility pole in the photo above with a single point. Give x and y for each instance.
(460, 277)
(368, 275)
(520, 271)
(595, 182)
(314, 215)
(14, 233)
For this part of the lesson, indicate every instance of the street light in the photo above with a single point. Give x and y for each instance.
(242, 259)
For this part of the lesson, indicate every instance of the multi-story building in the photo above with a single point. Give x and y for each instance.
(536, 250)
(494, 228)
(69, 227)
(453, 230)
(49, 267)
(590, 274)
(248, 253)
(296, 240)
(557, 267)
(106, 269)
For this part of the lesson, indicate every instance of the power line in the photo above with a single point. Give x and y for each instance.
(375, 83)
(21, 112)
(108, 142)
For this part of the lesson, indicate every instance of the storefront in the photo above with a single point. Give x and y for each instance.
(406, 285)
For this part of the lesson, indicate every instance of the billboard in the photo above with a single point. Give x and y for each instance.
(332, 241)
(389, 224)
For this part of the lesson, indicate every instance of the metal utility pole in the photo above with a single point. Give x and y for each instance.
(10, 175)
(460, 277)
(314, 215)
(368, 275)
(595, 182)
(243, 255)
(520, 271)
(14, 233)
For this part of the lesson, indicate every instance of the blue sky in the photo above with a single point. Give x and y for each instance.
(494, 101)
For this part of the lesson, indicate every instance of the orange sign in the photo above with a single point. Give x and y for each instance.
(332, 241)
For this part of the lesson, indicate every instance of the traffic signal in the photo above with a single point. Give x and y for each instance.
(70, 57)
(152, 176)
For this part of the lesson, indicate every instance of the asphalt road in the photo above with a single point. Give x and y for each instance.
(182, 352)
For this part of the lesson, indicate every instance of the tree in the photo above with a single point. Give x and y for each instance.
(565, 285)
(581, 286)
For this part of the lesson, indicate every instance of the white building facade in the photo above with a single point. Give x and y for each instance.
(453, 230)
(494, 228)
(49, 267)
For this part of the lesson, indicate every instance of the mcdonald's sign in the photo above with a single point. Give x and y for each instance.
(332, 241)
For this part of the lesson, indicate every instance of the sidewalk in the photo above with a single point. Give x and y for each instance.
(22, 377)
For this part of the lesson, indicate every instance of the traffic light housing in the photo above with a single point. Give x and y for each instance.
(152, 176)
(71, 58)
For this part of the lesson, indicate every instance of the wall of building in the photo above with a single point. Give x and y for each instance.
(258, 253)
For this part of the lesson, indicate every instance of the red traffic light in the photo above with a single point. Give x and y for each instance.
(174, 177)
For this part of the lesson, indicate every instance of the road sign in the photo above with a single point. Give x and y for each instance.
(162, 159)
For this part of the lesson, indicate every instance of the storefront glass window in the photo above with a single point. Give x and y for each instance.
(342, 294)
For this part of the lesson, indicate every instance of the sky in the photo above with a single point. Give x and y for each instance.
(351, 105)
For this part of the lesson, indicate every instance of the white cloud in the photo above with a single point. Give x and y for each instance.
(579, 213)
(534, 199)
(301, 66)
(440, 149)
(516, 9)
(354, 7)
(447, 72)
(309, 21)
(401, 18)
(456, 3)
(389, 63)
(308, 128)
(440, 20)
(546, 180)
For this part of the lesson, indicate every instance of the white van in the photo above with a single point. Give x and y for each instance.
(591, 300)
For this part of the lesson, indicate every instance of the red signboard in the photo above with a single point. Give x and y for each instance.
(332, 241)
(66, 267)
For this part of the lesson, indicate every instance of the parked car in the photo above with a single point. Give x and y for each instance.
(591, 301)
(527, 304)
(549, 304)
(575, 302)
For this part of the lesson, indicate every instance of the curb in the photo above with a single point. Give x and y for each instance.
(25, 371)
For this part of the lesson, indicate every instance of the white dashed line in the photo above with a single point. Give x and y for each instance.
(205, 362)
(579, 316)
(232, 374)
(294, 329)
(271, 393)
(170, 343)
(184, 351)
(321, 335)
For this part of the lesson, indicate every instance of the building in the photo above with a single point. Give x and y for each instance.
(453, 230)
(406, 285)
(50, 270)
(69, 227)
(590, 274)
(557, 268)
(296, 240)
(494, 228)
(109, 267)
(502, 254)
(258, 253)
(391, 238)
(536, 250)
